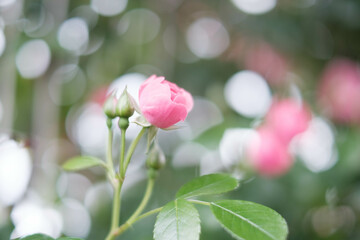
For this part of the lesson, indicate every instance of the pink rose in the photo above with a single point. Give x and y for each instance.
(339, 91)
(163, 103)
(287, 118)
(268, 155)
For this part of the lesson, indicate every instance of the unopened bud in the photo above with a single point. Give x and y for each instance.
(124, 107)
(109, 106)
(156, 158)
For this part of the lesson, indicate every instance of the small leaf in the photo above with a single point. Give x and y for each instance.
(208, 184)
(249, 221)
(37, 236)
(82, 162)
(178, 220)
(141, 121)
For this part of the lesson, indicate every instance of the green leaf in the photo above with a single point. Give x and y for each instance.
(208, 184)
(36, 237)
(82, 162)
(249, 221)
(178, 220)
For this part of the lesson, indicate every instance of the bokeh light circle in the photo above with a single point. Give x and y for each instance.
(15, 171)
(139, 26)
(255, 6)
(33, 58)
(108, 7)
(4, 3)
(207, 37)
(316, 147)
(248, 94)
(76, 218)
(233, 145)
(73, 35)
(67, 85)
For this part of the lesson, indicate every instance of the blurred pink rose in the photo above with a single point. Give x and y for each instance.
(268, 155)
(339, 91)
(163, 103)
(287, 118)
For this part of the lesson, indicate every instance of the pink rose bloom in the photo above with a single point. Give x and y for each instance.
(287, 118)
(268, 155)
(163, 103)
(339, 92)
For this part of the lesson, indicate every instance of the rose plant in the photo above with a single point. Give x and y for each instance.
(161, 105)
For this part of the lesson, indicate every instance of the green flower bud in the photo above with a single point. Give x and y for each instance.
(156, 158)
(124, 107)
(109, 106)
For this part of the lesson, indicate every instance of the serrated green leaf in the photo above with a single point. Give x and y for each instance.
(37, 236)
(178, 220)
(208, 184)
(82, 162)
(249, 221)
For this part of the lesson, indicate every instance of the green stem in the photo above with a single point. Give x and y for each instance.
(109, 158)
(156, 210)
(122, 153)
(135, 216)
(116, 208)
(131, 151)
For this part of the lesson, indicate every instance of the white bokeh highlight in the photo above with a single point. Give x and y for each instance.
(15, 171)
(207, 38)
(5, 3)
(255, 6)
(73, 35)
(233, 145)
(204, 115)
(87, 128)
(31, 217)
(33, 58)
(108, 7)
(316, 147)
(248, 94)
(76, 218)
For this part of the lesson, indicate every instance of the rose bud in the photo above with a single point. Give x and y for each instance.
(268, 155)
(163, 103)
(155, 158)
(287, 118)
(109, 106)
(124, 107)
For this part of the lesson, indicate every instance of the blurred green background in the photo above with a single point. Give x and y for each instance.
(58, 59)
